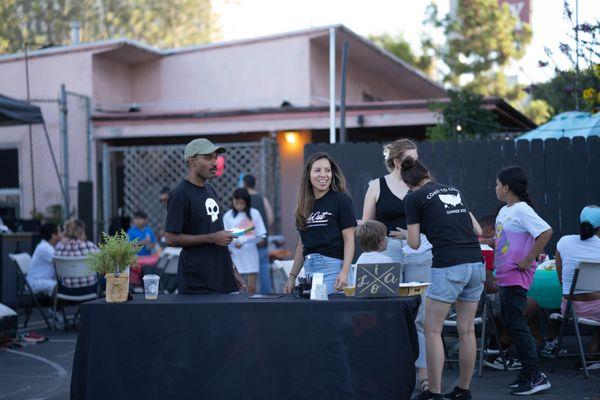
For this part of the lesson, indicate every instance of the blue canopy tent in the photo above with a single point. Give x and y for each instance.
(568, 124)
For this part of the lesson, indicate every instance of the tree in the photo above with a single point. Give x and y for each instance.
(481, 40)
(539, 111)
(399, 47)
(578, 87)
(463, 116)
(161, 23)
(562, 95)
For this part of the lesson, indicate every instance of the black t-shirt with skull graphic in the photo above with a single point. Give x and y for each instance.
(444, 218)
(207, 268)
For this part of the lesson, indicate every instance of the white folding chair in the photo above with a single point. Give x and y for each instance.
(23, 262)
(586, 278)
(73, 268)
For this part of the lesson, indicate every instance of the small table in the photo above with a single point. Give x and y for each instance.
(546, 289)
(232, 347)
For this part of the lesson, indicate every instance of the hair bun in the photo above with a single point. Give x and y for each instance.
(408, 162)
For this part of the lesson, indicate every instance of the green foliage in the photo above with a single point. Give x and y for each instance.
(538, 111)
(562, 94)
(399, 47)
(463, 117)
(161, 23)
(481, 40)
(115, 255)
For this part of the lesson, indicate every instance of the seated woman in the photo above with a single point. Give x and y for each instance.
(75, 244)
(570, 250)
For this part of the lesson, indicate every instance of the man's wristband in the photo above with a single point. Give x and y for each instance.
(292, 274)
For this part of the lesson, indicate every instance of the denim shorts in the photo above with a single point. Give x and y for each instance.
(330, 267)
(462, 282)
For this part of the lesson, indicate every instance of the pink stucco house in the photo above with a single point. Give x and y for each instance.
(271, 88)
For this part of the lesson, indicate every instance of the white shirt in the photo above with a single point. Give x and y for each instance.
(42, 266)
(572, 250)
(373, 257)
(517, 227)
(245, 258)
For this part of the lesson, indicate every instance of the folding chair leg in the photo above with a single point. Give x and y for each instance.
(39, 307)
(580, 345)
(54, 312)
(482, 339)
(560, 339)
(448, 363)
(27, 315)
(64, 317)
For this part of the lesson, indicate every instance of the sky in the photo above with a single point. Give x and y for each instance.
(241, 19)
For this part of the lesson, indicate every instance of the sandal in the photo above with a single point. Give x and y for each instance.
(423, 384)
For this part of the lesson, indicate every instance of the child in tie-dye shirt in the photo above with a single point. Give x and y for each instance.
(520, 236)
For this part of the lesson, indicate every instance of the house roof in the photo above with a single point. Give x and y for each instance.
(133, 52)
(508, 116)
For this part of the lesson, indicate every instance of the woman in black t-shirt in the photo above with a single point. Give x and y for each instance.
(325, 220)
(457, 272)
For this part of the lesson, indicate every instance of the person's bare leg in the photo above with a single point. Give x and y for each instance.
(251, 286)
(435, 313)
(467, 353)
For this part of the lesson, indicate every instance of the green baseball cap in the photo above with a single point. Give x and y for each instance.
(202, 146)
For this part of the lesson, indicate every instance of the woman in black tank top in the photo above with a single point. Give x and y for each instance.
(384, 202)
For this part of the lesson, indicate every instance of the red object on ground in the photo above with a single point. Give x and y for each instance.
(488, 256)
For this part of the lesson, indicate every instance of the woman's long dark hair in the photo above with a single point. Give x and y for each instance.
(242, 194)
(516, 179)
(306, 195)
(413, 171)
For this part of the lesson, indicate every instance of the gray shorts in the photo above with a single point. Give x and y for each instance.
(462, 282)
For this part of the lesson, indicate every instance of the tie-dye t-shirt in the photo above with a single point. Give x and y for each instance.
(517, 227)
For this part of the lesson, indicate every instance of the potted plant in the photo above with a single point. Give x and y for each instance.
(116, 254)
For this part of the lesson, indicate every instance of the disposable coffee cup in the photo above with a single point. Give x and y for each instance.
(151, 286)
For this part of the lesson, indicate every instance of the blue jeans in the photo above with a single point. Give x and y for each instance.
(330, 268)
(264, 272)
(514, 303)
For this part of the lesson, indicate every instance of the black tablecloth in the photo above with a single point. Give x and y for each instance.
(233, 347)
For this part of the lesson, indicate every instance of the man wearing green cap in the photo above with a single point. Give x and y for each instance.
(194, 222)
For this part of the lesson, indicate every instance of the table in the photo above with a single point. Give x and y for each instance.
(233, 347)
(546, 289)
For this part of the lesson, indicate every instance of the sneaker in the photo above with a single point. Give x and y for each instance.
(427, 395)
(492, 352)
(512, 364)
(458, 393)
(550, 347)
(532, 386)
(521, 378)
(590, 365)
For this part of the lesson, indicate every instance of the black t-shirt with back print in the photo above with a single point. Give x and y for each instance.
(445, 220)
(206, 268)
(331, 214)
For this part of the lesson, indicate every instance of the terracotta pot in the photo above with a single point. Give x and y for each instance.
(117, 289)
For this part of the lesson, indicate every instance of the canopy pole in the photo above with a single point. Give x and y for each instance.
(331, 85)
(29, 126)
(62, 189)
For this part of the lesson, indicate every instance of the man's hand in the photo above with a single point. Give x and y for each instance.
(222, 238)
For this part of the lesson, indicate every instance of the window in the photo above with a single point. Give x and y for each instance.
(9, 165)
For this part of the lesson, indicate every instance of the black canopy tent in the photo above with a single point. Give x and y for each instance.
(15, 112)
